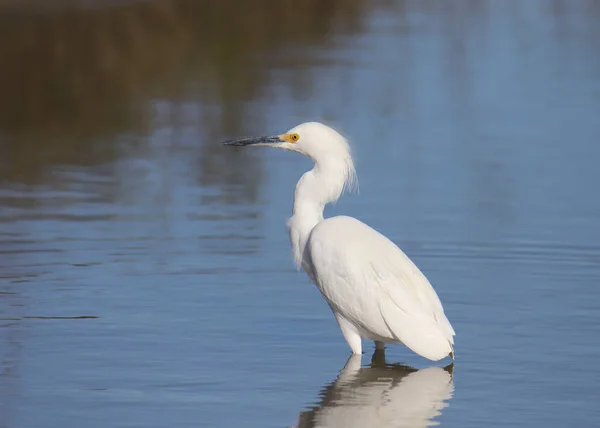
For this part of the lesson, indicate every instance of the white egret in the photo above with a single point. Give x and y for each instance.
(372, 287)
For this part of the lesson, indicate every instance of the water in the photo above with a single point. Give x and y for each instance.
(145, 273)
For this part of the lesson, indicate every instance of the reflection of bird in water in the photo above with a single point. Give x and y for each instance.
(372, 287)
(382, 395)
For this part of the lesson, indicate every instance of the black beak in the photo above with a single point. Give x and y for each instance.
(255, 141)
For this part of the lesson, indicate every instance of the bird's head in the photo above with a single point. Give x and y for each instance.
(312, 139)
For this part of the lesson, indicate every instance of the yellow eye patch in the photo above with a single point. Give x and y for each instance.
(290, 138)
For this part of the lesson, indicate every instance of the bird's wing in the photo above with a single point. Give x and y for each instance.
(367, 278)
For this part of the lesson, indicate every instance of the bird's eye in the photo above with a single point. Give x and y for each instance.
(294, 137)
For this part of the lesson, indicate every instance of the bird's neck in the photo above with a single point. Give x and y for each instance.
(318, 187)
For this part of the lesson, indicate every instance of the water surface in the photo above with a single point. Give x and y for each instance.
(145, 273)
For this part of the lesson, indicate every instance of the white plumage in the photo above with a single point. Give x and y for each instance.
(372, 287)
(375, 291)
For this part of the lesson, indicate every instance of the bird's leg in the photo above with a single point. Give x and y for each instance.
(350, 334)
(379, 346)
(378, 358)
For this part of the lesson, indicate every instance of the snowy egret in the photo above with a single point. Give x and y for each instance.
(374, 290)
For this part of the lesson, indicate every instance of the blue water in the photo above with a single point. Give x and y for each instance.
(475, 132)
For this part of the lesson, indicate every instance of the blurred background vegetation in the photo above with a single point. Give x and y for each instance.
(79, 78)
